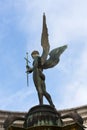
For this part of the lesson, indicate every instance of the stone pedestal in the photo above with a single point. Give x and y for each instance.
(42, 115)
(68, 127)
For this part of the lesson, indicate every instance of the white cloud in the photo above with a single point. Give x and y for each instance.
(65, 20)
(74, 93)
(17, 100)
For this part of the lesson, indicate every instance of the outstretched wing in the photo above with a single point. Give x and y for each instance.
(44, 41)
(54, 57)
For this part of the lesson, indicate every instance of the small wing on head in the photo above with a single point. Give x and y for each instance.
(44, 41)
(54, 57)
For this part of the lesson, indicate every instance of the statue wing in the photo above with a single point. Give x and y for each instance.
(44, 41)
(54, 57)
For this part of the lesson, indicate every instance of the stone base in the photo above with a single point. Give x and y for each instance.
(42, 115)
(67, 127)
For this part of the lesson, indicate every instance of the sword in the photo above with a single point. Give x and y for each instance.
(27, 65)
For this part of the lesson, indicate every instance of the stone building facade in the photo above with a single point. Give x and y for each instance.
(81, 110)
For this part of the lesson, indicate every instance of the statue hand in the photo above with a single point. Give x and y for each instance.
(29, 69)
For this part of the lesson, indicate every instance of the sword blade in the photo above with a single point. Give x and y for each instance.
(27, 80)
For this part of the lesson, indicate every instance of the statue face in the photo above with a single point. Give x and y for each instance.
(35, 55)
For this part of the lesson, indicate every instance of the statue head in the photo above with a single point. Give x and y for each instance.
(34, 54)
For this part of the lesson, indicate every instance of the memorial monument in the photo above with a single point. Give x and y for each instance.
(42, 116)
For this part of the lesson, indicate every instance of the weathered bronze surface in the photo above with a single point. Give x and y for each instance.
(73, 126)
(42, 115)
(43, 62)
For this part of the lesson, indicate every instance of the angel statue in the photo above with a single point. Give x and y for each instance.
(43, 62)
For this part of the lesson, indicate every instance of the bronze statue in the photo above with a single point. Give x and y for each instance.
(42, 62)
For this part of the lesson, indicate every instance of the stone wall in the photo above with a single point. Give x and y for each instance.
(81, 110)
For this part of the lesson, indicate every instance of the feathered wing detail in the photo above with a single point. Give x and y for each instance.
(54, 57)
(44, 41)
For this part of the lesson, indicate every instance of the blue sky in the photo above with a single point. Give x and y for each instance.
(20, 31)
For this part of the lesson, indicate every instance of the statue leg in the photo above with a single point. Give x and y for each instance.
(47, 95)
(40, 96)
